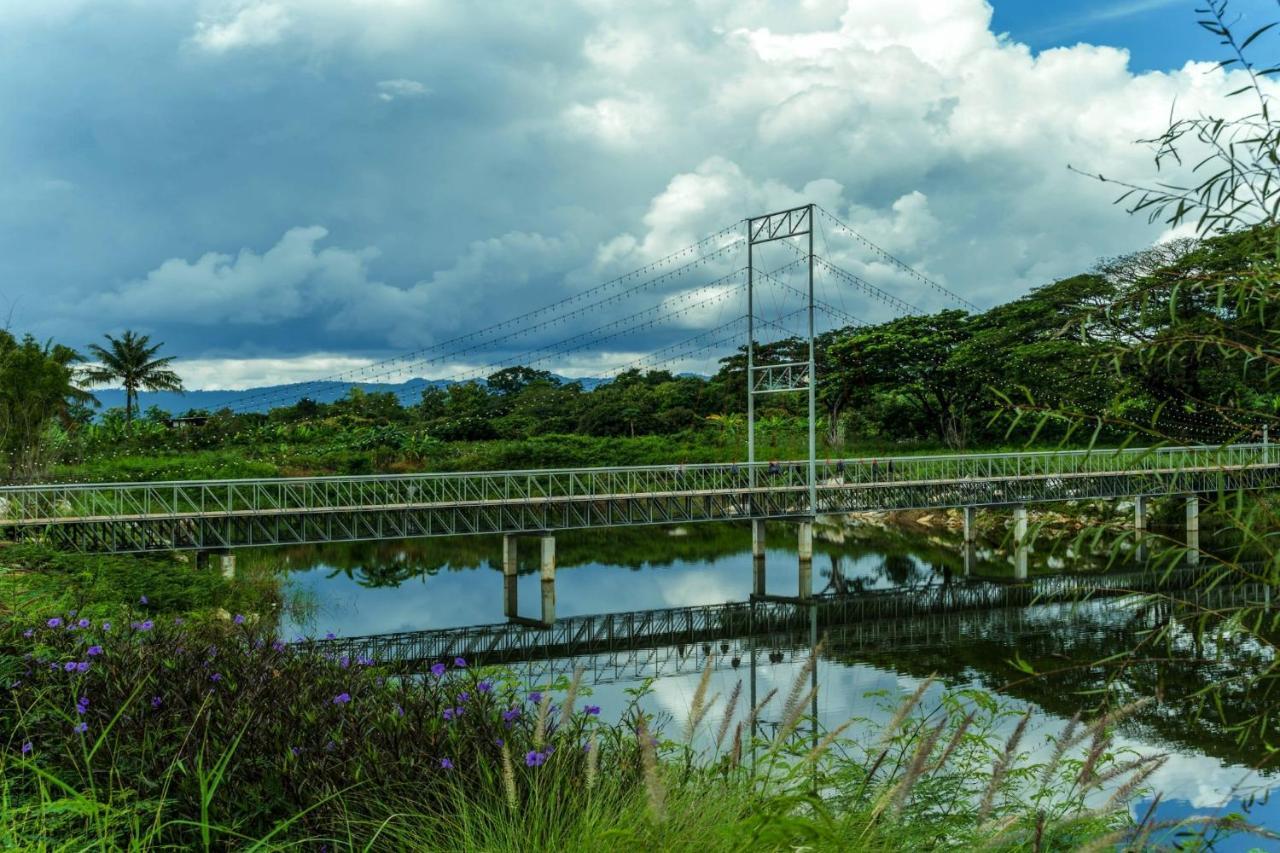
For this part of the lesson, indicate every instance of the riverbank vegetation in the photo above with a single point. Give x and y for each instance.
(147, 729)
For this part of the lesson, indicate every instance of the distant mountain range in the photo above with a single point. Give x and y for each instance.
(273, 396)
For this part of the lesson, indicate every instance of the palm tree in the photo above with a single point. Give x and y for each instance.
(132, 363)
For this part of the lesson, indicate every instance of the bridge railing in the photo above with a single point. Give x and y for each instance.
(42, 504)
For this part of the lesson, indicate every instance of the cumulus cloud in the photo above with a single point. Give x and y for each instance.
(289, 279)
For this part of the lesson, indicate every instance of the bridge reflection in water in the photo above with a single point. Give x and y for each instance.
(649, 642)
(966, 632)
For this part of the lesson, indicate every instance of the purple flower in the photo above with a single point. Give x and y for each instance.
(54, 622)
(295, 751)
(156, 701)
(452, 713)
(28, 633)
(363, 661)
(94, 651)
(106, 626)
(82, 666)
(344, 661)
(498, 741)
(484, 686)
(399, 711)
(586, 746)
(535, 697)
(437, 669)
(591, 710)
(83, 623)
(511, 716)
(143, 600)
(464, 696)
(460, 662)
(217, 676)
(446, 764)
(535, 759)
(69, 666)
(277, 646)
(146, 625)
(178, 620)
(239, 620)
(329, 635)
(82, 704)
(81, 727)
(342, 699)
(26, 748)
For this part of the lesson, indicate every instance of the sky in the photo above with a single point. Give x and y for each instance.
(289, 189)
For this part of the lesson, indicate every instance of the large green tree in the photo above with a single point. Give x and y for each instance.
(37, 389)
(915, 358)
(131, 360)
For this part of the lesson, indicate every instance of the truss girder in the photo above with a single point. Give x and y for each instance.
(129, 517)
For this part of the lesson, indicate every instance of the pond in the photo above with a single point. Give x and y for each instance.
(372, 588)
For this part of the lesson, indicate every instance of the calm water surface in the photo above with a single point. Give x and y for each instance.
(382, 587)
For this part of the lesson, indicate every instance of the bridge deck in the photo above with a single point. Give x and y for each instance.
(238, 513)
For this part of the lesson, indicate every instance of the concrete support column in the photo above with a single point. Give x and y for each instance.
(1193, 530)
(1140, 526)
(548, 579)
(757, 538)
(804, 549)
(757, 556)
(1020, 542)
(224, 560)
(509, 554)
(970, 538)
(510, 590)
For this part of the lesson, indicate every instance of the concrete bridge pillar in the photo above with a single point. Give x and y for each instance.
(1193, 530)
(225, 561)
(757, 557)
(1140, 526)
(510, 591)
(970, 538)
(1020, 541)
(757, 538)
(804, 549)
(548, 579)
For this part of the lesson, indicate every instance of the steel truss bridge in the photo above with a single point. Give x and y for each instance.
(616, 646)
(225, 514)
